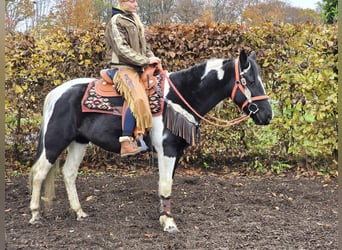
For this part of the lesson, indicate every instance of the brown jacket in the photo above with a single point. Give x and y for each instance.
(126, 45)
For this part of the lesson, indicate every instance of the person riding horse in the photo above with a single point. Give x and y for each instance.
(127, 49)
(65, 126)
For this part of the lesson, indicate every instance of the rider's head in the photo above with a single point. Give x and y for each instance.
(129, 5)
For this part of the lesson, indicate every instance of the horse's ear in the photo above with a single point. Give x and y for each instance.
(253, 55)
(243, 59)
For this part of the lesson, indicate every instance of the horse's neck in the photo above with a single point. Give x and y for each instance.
(210, 97)
(204, 94)
(214, 88)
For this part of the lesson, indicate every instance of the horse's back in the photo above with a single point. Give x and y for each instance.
(59, 90)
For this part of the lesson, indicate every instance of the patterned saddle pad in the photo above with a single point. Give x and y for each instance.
(97, 99)
(103, 98)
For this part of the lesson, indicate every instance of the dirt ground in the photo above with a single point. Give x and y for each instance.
(212, 212)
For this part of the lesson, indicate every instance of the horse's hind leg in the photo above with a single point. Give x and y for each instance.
(38, 174)
(75, 155)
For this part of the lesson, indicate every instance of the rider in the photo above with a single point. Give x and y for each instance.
(127, 48)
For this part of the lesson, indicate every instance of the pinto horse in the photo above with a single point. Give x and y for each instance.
(191, 92)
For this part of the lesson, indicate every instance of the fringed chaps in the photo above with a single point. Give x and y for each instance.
(128, 84)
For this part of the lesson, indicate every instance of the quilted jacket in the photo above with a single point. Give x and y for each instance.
(125, 42)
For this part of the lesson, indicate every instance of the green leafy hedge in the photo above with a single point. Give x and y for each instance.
(298, 64)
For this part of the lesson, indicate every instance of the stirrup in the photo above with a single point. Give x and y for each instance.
(142, 143)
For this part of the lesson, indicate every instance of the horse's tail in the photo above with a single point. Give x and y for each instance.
(40, 145)
(39, 152)
(49, 185)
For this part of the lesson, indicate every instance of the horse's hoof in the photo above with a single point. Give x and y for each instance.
(35, 219)
(168, 224)
(81, 215)
(171, 229)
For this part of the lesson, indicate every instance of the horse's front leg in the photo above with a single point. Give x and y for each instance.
(166, 168)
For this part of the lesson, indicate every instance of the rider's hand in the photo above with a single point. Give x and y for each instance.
(154, 60)
(157, 62)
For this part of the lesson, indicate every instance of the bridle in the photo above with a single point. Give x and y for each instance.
(240, 84)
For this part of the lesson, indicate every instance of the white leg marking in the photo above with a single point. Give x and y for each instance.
(165, 165)
(75, 155)
(39, 172)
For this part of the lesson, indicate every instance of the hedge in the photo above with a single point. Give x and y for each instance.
(298, 65)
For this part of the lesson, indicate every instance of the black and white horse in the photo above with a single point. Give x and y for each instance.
(203, 86)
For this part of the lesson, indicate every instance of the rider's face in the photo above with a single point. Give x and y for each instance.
(129, 5)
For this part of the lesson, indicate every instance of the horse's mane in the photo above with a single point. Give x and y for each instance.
(194, 73)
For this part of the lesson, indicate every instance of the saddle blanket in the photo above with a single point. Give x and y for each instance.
(104, 98)
(98, 99)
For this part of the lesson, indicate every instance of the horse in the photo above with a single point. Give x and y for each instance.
(189, 94)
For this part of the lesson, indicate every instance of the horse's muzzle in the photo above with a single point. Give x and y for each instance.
(262, 118)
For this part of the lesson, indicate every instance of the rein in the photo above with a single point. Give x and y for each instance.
(228, 123)
(237, 85)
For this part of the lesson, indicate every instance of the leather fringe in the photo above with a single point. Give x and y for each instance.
(179, 125)
(129, 86)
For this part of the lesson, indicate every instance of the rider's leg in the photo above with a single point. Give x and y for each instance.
(128, 146)
(108, 74)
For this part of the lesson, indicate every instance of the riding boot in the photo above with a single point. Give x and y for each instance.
(128, 147)
(108, 75)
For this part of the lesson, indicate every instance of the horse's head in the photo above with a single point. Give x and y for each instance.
(248, 92)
